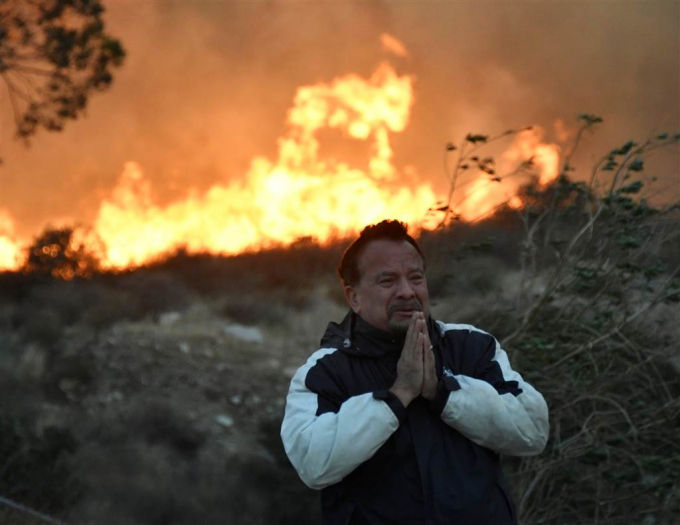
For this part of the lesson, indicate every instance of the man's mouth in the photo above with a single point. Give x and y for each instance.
(404, 309)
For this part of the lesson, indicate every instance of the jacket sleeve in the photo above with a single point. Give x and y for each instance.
(497, 408)
(325, 438)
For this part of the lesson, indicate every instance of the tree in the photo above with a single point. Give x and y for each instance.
(53, 55)
(61, 253)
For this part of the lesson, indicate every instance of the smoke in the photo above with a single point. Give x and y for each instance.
(206, 88)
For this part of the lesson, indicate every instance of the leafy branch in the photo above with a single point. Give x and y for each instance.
(53, 56)
(466, 157)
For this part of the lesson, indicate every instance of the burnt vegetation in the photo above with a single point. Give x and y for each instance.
(131, 397)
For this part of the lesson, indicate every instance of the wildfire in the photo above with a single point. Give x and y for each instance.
(299, 194)
(10, 253)
(302, 192)
(483, 194)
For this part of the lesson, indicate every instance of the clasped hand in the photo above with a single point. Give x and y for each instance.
(416, 374)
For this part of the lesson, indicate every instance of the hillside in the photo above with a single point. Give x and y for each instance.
(155, 396)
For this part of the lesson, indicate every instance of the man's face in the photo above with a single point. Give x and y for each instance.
(392, 285)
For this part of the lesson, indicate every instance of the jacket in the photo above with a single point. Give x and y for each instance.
(433, 462)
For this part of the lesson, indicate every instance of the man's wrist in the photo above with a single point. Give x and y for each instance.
(393, 402)
(431, 393)
(403, 395)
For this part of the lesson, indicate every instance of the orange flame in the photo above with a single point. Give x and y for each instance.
(302, 193)
(393, 45)
(483, 194)
(10, 253)
(545, 157)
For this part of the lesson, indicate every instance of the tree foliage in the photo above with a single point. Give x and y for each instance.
(53, 55)
(58, 252)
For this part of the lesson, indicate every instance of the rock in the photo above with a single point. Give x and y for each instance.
(32, 362)
(224, 420)
(168, 318)
(113, 397)
(251, 334)
(235, 399)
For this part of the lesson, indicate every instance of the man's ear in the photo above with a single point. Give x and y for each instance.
(352, 298)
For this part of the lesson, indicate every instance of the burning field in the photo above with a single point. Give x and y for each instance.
(229, 142)
(306, 192)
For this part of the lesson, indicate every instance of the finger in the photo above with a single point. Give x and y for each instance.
(417, 329)
(411, 331)
(412, 327)
(419, 351)
(429, 356)
(427, 344)
(426, 333)
(421, 327)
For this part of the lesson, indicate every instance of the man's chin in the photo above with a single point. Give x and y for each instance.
(398, 326)
(399, 322)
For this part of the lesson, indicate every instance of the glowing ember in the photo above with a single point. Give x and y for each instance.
(393, 45)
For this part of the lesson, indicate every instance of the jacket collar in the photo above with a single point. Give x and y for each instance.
(355, 336)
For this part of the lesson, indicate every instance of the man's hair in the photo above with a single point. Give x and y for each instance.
(390, 230)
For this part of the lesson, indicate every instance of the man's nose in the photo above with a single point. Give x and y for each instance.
(405, 289)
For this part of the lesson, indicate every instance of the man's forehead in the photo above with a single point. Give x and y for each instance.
(382, 254)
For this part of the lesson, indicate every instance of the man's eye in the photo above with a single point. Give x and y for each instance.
(417, 277)
(386, 281)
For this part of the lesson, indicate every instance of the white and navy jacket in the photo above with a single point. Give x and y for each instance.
(429, 463)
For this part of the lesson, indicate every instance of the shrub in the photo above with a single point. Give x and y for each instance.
(59, 252)
(585, 344)
(35, 470)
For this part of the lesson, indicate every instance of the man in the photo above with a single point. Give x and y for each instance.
(399, 418)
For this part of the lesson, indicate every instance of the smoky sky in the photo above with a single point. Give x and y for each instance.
(206, 85)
